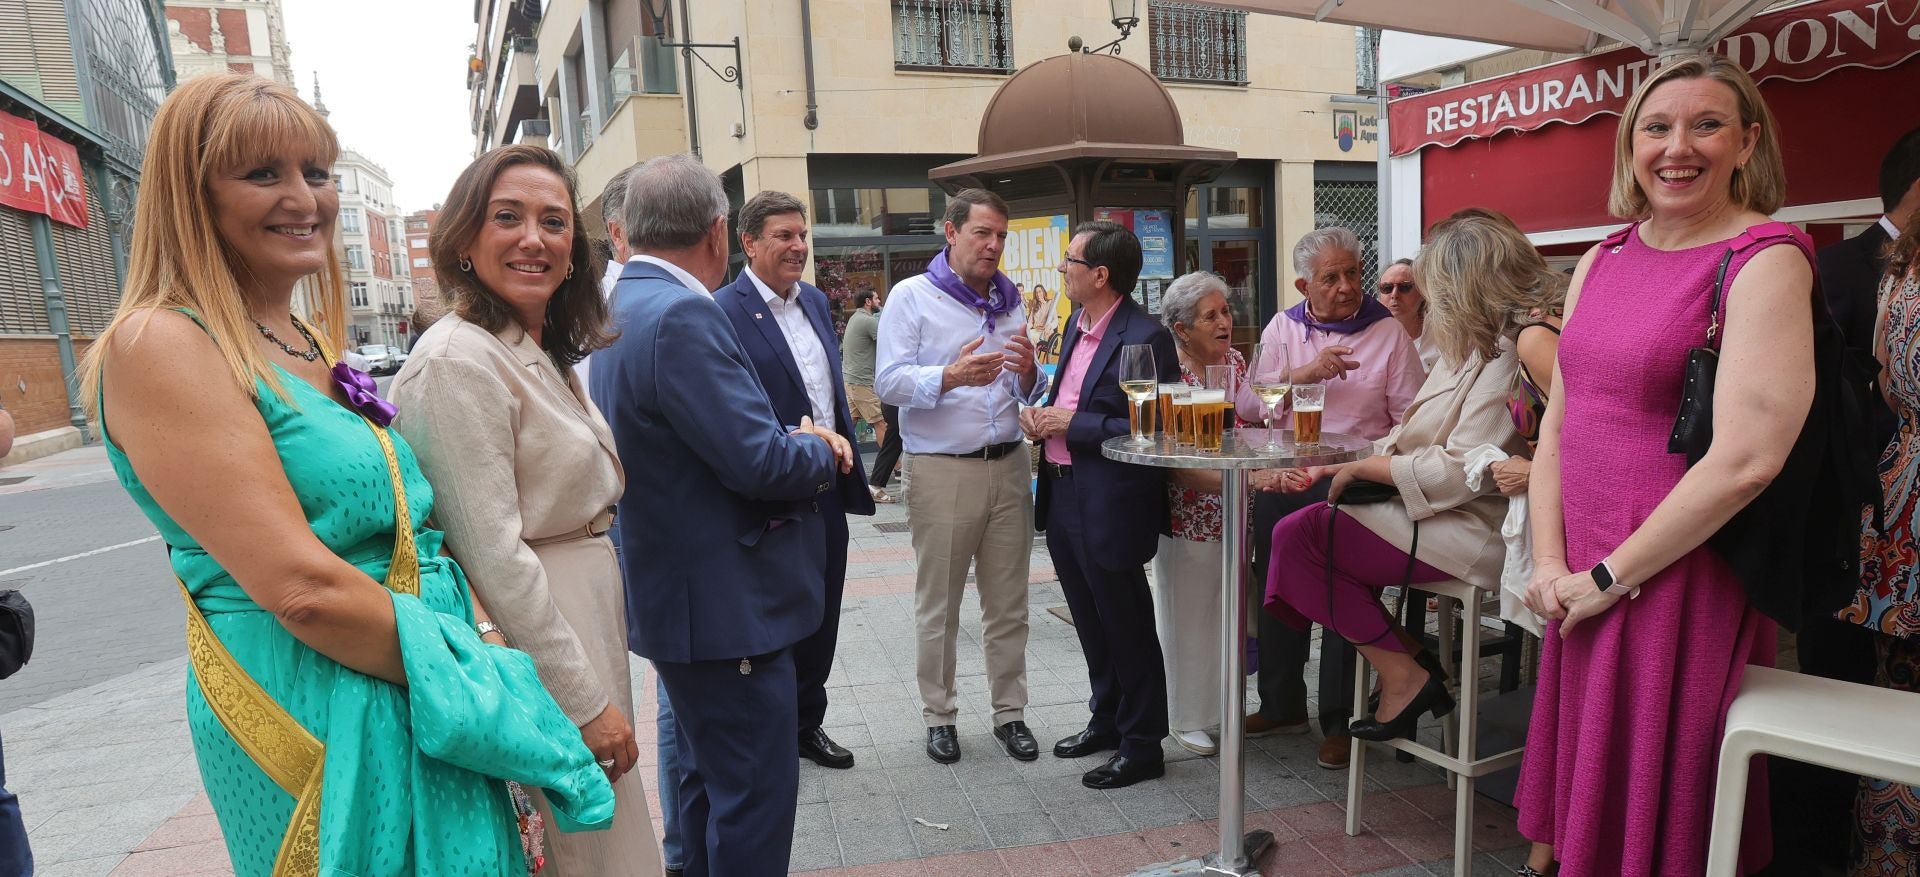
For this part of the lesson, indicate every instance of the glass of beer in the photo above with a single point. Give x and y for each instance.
(1308, 401)
(1210, 409)
(1163, 408)
(1139, 380)
(1271, 376)
(1183, 421)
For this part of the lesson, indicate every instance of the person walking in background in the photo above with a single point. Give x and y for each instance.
(1400, 293)
(856, 362)
(488, 404)
(785, 327)
(317, 589)
(1697, 165)
(1100, 515)
(1343, 338)
(724, 549)
(954, 355)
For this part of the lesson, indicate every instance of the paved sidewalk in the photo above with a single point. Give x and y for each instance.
(108, 784)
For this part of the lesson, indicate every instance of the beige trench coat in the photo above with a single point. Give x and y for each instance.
(522, 464)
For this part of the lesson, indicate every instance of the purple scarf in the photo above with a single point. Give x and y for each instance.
(1371, 312)
(1005, 297)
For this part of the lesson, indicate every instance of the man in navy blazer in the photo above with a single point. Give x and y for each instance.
(721, 537)
(1102, 517)
(787, 331)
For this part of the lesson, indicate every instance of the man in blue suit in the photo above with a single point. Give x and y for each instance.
(719, 525)
(1102, 517)
(787, 331)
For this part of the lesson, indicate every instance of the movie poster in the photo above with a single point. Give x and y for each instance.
(1036, 246)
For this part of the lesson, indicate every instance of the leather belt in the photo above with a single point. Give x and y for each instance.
(1057, 470)
(990, 452)
(599, 526)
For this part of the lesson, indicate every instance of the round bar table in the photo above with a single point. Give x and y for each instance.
(1240, 451)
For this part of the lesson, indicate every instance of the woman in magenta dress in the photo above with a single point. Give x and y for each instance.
(1619, 771)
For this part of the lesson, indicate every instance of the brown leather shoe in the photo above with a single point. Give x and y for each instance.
(1336, 751)
(1260, 726)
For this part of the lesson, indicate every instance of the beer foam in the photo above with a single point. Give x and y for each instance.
(1203, 397)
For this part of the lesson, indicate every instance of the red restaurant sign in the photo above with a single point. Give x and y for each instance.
(40, 172)
(1799, 43)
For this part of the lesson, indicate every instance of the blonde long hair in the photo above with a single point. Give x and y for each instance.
(1482, 279)
(212, 123)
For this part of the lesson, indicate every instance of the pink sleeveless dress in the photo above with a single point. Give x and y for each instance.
(1625, 736)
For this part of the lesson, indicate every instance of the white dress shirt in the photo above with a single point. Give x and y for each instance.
(608, 281)
(1886, 224)
(921, 332)
(808, 353)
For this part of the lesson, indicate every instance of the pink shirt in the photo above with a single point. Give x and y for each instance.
(1369, 402)
(1075, 375)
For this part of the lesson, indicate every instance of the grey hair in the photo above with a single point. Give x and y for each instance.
(671, 203)
(1181, 302)
(1315, 243)
(614, 196)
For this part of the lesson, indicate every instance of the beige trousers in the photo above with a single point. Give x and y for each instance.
(977, 512)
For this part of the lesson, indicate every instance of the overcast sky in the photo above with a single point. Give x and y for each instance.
(393, 75)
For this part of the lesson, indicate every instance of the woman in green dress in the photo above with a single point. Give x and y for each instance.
(348, 718)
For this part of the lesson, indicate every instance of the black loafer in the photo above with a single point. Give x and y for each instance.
(1085, 743)
(1017, 740)
(943, 745)
(817, 747)
(1120, 772)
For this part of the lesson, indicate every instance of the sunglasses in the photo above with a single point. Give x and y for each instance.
(1404, 287)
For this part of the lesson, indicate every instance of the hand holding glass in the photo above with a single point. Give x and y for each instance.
(1139, 379)
(1271, 377)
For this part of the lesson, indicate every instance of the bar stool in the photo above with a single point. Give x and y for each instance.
(1841, 725)
(1460, 730)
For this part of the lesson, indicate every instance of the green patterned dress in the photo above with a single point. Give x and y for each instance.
(412, 776)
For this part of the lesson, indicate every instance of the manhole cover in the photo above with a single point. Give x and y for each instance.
(14, 480)
(892, 527)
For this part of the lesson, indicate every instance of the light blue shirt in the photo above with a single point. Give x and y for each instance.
(921, 332)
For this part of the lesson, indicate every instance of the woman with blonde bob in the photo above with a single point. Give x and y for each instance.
(1649, 630)
(346, 715)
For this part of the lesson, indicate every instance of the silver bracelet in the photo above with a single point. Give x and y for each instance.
(487, 627)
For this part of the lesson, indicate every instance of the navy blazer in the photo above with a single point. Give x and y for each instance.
(1125, 504)
(1850, 278)
(723, 547)
(779, 372)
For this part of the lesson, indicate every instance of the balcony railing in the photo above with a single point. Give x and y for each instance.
(1191, 43)
(1366, 60)
(956, 35)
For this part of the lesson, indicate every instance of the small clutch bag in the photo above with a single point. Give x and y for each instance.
(1693, 426)
(1368, 493)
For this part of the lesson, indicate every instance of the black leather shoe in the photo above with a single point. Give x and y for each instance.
(1120, 772)
(817, 747)
(1433, 697)
(1085, 743)
(1017, 740)
(943, 745)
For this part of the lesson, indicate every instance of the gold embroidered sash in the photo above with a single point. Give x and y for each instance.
(284, 750)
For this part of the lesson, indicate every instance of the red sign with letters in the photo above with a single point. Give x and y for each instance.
(40, 172)
(1798, 43)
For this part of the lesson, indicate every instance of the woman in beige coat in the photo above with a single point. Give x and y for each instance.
(523, 466)
(1481, 279)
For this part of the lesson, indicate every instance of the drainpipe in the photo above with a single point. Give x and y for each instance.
(56, 300)
(686, 63)
(812, 118)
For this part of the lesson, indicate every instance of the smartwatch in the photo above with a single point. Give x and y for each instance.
(1608, 584)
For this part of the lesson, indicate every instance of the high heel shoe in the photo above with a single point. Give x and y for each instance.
(1433, 697)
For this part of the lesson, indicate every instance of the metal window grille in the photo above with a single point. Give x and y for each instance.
(1366, 60)
(22, 308)
(969, 35)
(1191, 43)
(1355, 206)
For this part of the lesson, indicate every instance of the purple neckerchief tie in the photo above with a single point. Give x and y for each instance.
(1005, 297)
(363, 395)
(1371, 312)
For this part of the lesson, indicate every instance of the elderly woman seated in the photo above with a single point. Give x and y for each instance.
(1331, 561)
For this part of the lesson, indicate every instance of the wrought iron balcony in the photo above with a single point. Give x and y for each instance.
(974, 36)
(1191, 43)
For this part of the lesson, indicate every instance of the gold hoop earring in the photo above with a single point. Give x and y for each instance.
(465, 265)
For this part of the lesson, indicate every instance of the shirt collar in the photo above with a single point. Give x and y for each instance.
(772, 298)
(675, 271)
(1888, 226)
(1098, 330)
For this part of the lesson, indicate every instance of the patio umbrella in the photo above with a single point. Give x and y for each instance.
(1657, 27)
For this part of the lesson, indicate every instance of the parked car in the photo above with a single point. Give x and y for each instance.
(399, 356)
(379, 360)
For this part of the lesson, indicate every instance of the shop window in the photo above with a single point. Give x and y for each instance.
(964, 35)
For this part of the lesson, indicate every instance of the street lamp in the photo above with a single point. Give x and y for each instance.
(1126, 17)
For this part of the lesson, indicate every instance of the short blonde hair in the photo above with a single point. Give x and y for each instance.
(1761, 186)
(1482, 279)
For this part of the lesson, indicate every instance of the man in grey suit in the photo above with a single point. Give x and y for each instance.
(720, 526)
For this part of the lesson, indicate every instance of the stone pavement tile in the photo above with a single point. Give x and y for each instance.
(877, 844)
(1421, 841)
(1281, 791)
(854, 816)
(814, 843)
(1401, 871)
(1004, 798)
(95, 867)
(183, 831)
(1315, 820)
(1151, 805)
(963, 834)
(1092, 819)
(1186, 840)
(1484, 865)
(1114, 853)
(898, 753)
(1387, 811)
(1206, 802)
(940, 806)
(205, 858)
(1364, 852)
(856, 738)
(927, 776)
(1297, 858)
(1018, 829)
(813, 785)
(856, 783)
(977, 864)
(1044, 860)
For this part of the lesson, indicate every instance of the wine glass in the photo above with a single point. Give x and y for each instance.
(1139, 379)
(1271, 377)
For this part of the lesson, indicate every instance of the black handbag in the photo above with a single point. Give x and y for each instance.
(16, 632)
(1693, 427)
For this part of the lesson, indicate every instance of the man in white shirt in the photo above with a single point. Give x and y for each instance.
(786, 327)
(954, 356)
(612, 200)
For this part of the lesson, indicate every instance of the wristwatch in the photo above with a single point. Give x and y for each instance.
(487, 627)
(1608, 584)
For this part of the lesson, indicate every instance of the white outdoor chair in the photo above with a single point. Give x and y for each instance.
(1841, 725)
(1460, 730)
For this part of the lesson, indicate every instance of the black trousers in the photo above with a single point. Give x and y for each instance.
(889, 454)
(813, 656)
(1113, 616)
(1284, 651)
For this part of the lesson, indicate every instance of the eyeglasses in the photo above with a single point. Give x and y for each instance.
(1078, 261)
(1404, 287)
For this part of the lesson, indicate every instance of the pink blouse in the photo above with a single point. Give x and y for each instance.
(1369, 401)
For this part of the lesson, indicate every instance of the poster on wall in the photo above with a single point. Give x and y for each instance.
(40, 173)
(1035, 248)
(1154, 228)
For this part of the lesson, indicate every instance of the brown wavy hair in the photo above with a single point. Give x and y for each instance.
(576, 319)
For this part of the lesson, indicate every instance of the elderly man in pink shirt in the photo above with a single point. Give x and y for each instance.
(1344, 338)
